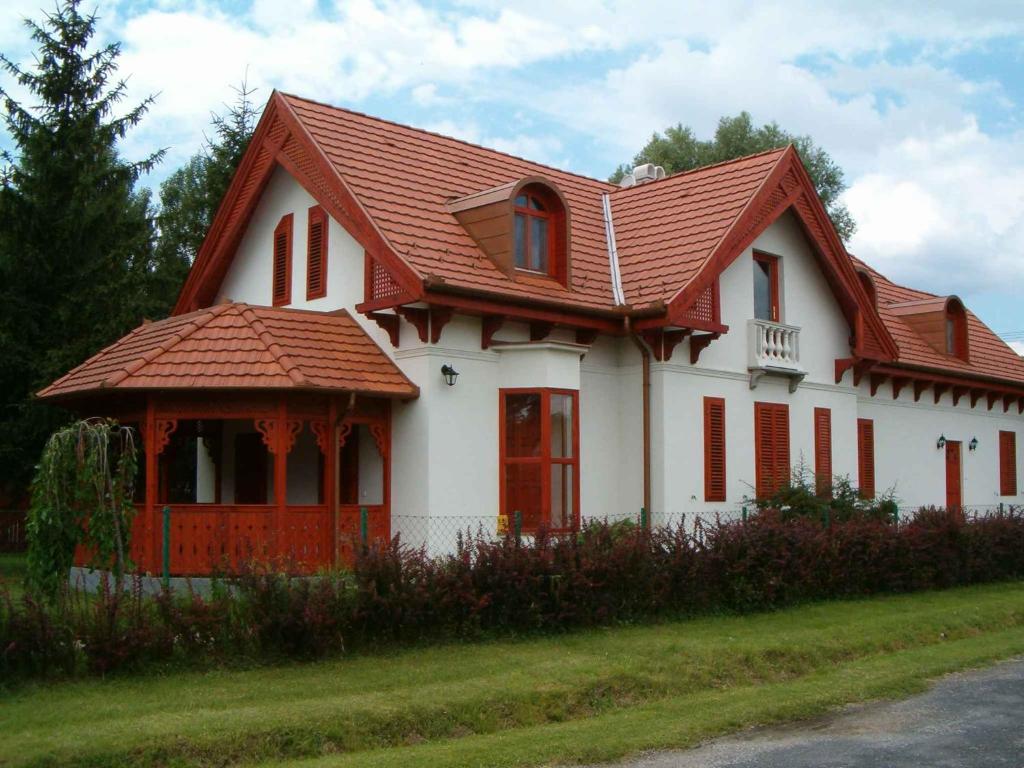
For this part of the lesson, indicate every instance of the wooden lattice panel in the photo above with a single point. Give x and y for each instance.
(379, 283)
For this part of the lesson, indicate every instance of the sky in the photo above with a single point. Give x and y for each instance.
(921, 103)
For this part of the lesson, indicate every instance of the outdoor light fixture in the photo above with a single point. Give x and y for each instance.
(973, 444)
(450, 374)
(941, 442)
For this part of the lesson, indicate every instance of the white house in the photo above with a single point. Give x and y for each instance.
(678, 344)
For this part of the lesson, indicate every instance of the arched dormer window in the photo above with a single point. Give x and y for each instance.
(868, 284)
(956, 329)
(533, 233)
(522, 226)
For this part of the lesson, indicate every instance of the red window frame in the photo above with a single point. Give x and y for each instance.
(772, 262)
(823, 451)
(1007, 463)
(544, 459)
(547, 215)
(866, 458)
(316, 257)
(281, 264)
(955, 330)
(771, 447)
(714, 449)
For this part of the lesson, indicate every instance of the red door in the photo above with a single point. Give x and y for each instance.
(954, 493)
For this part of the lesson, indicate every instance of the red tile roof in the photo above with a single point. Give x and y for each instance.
(237, 346)
(989, 355)
(665, 231)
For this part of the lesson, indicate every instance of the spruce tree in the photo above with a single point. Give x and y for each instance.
(77, 238)
(190, 196)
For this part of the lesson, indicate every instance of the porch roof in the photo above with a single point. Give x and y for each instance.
(239, 346)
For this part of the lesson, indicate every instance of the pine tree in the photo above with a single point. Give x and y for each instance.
(678, 149)
(190, 196)
(76, 236)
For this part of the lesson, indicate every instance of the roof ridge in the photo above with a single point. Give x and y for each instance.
(428, 132)
(286, 363)
(191, 327)
(700, 168)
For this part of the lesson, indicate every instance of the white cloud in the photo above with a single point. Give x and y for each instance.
(1017, 346)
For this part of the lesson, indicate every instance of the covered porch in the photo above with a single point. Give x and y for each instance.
(265, 432)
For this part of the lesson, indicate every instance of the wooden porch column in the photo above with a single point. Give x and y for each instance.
(152, 542)
(280, 476)
(331, 475)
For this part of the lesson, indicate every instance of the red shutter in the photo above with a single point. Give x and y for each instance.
(316, 254)
(282, 292)
(866, 457)
(1007, 463)
(771, 447)
(714, 449)
(823, 451)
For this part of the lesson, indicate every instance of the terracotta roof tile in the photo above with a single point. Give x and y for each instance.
(237, 346)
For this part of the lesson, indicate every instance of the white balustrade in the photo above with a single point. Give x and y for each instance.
(774, 348)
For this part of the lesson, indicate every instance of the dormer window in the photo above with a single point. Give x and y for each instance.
(532, 233)
(956, 329)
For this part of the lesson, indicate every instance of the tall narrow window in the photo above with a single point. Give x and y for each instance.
(823, 451)
(766, 287)
(956, 329)
(1007, 463)
(282, 268)
(539, 457)
(866, 457)
(316, 254)
(771, 447)
(714, 449)
(532, 233)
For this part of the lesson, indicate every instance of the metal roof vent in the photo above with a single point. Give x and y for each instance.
(642, 174)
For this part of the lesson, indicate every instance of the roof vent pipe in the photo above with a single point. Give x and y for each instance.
(642, 174)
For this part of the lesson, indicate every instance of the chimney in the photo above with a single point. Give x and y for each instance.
(642, 174)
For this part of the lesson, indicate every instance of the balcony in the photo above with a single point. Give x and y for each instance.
(774, 350)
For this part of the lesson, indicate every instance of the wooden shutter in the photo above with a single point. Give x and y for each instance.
(316, 254)
(1007, 463)
(714, 449)
(823, 451)
(282, 277)
(866, 457)
(771, 447)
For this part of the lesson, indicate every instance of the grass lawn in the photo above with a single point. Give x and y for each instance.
(12, 572)
(585, 696)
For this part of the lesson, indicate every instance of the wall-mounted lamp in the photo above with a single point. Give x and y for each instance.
(450, 374)
(973, 444)
(941, 442)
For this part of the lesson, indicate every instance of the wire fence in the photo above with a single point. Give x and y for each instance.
(443, 534)
(12, 530)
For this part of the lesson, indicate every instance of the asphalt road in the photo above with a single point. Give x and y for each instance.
(966, 720)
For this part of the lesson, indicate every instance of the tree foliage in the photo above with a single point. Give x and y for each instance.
(77, 261)
(678, 149)
(82, 493)
(190, 196)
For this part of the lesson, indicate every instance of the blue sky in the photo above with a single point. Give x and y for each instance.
(919, 102)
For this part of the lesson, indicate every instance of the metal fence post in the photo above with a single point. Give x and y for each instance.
(744, 514)
(167, 547)
(517, 518)
(827, 521)
(644, 522)
(364, 526)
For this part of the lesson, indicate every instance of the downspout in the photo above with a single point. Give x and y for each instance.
(645, 353)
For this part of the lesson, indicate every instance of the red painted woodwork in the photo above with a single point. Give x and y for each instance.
(954, 476)
(714, 449)
(586, 336)
(866, 458)
(389, 323)
(282, 261)
(1007, 463)
(489, 325)
(705, 313)
(439, 318)
(823, 451)
(771, 447)
(698, 344)
(542, 204)
(539, 457)
(540, 330)
(418, 318)
(316, 253)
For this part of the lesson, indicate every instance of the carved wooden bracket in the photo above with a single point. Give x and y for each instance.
(418, 318)
(540, 330)
(663, 343)
(343, 432)
(958, 392)
(897, 386)
(380, 435)
(389, 323)
(844, 364)
(586, 336)
(439, 318)
(322, 430)
(490, 325)
(268, 430)
(164, 429)
(876, 381)
(919, 388)
(699, 343)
